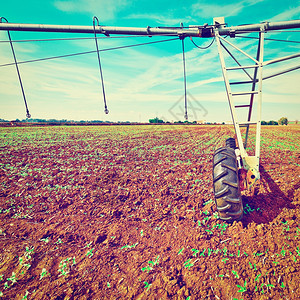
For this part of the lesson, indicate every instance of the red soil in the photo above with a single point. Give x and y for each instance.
(128, 213)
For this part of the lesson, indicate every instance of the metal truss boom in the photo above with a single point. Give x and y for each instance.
(194, 31)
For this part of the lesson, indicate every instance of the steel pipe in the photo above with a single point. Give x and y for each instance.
(197, 31)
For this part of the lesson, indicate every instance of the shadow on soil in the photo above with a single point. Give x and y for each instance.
(264, 208)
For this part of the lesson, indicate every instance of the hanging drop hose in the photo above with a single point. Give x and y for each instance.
(18, 72)
(182, 37)
(99, 61)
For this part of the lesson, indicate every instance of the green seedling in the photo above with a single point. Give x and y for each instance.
(147, 285)
(207, 202)
(59, 241)
(180, 251)
(243, 288)
(46, 240)
(25, 296)
(44, 273)
(209, 231)
(155, 262)
(28, 252)
(90, 253)
(13, 278)
(257, 277)
(209, 251)
(187, 264)
(151, 265)
(216, 215)
(287, 228)
(195, 251)
(129, 247)
(64, 266)
(235, 274)
(148, 269)
(88, 245)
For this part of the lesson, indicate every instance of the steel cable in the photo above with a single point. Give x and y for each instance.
(203, 48)
(184, 77)
(83, 38)
(99, 61)
(87, 52)
(18, 72)
(267, 39)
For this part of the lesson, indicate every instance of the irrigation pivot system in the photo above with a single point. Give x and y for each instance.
(233, 169)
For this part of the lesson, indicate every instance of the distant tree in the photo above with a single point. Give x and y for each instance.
(283, 121)
(156, 120)
(264, 123)
(296, 122)
(272, 123)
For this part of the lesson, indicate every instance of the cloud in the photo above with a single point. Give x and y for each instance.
(232, 9)
(290, 14)
(105, 10)
(166, 73)
(164, 19)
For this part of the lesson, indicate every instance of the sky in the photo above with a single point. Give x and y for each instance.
(146, 81)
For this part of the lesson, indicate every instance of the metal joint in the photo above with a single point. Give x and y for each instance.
(264, 26)
(207, 32)
(2, 18)
(100, 28)
(232, 33)
(182, 36)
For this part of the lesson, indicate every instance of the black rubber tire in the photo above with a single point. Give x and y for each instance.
(226, 185)
(230, 143)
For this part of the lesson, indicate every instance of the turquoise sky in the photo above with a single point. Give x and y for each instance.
(140, 82)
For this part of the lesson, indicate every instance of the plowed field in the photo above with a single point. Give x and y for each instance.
(127, 212)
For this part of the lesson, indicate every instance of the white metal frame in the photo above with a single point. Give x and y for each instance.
(249, 163)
